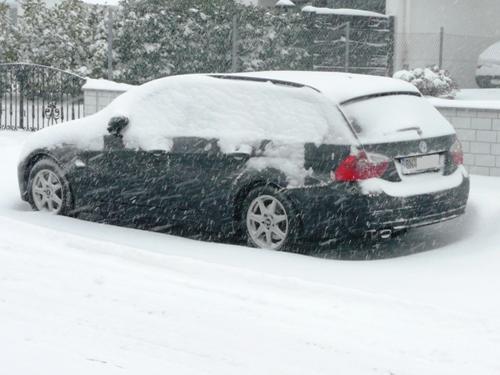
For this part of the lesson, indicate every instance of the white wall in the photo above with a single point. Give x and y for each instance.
(470, 27)
(479, 133)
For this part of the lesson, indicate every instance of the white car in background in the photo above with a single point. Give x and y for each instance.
(488, 68)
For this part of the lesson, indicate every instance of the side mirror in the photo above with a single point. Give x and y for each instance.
(117, 124)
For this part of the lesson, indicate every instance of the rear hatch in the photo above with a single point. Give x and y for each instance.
(405, 130)
(410, 157)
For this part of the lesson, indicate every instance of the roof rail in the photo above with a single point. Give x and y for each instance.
(378, 95)
(263, 80)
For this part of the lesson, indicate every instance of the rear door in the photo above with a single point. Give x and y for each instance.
(200, 178)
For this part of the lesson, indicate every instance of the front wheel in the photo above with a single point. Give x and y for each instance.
(269, 219)
(48, 188)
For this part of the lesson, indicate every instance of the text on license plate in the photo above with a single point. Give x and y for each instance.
(417, 164)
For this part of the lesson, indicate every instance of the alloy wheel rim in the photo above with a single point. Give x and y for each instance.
(267, 222)
(47, 191)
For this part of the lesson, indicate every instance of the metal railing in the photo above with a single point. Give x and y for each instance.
(33, 96)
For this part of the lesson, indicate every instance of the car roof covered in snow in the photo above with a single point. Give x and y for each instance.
(339, 87)
(491, 54)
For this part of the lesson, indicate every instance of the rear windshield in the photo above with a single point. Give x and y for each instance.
(395, 117)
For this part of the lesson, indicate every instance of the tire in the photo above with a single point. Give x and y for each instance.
(48, 188)
(269, 221)
(484, 82)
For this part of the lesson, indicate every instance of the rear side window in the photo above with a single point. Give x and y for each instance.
(396, 117)
(194, 145)
(237, 113)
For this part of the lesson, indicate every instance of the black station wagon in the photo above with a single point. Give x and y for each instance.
(274, 157)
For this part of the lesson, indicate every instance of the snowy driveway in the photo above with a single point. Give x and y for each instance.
(85, 298)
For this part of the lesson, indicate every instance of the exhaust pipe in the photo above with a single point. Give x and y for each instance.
(384, 234)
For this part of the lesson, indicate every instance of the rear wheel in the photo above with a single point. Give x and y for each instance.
(48, 189)
(269, 219)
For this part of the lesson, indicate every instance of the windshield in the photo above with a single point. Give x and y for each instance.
(395, 117)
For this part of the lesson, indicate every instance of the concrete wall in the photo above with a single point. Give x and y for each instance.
(479, 132)
(95, 100)
(470, 27)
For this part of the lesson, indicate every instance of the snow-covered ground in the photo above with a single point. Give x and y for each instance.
(84, 298)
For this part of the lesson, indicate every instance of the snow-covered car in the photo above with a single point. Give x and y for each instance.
(488, 67)
(271, 156)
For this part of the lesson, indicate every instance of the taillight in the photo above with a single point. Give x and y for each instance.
(456, 152)
(360, 167)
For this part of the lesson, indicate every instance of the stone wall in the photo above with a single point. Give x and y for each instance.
(479, 132)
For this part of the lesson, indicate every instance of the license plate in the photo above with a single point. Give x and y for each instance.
(419, 164)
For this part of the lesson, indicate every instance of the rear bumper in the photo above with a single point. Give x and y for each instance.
(420, 221)
(333, 212)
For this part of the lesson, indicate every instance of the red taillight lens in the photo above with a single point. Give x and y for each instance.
(360, 167)
(456, 152)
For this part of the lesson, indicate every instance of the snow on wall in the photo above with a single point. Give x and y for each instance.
(99, 93)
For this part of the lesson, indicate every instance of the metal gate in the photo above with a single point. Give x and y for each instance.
(33, 96)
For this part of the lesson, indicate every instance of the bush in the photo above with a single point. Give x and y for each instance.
(430, 81)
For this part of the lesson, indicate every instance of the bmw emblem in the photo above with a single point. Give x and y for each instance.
(423, 147)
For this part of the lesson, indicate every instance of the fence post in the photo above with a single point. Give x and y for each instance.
(110, 43)
(234, 51)
(347, 46)
(441, 47)
(391, 56)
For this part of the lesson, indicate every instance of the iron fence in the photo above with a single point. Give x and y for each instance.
(352, 44)
(34, 96)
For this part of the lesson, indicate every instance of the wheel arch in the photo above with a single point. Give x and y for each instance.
(251, 181)
(27, 166)
(243, 192)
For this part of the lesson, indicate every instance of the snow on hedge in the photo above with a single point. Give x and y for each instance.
(285, 3)
(430, 81)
